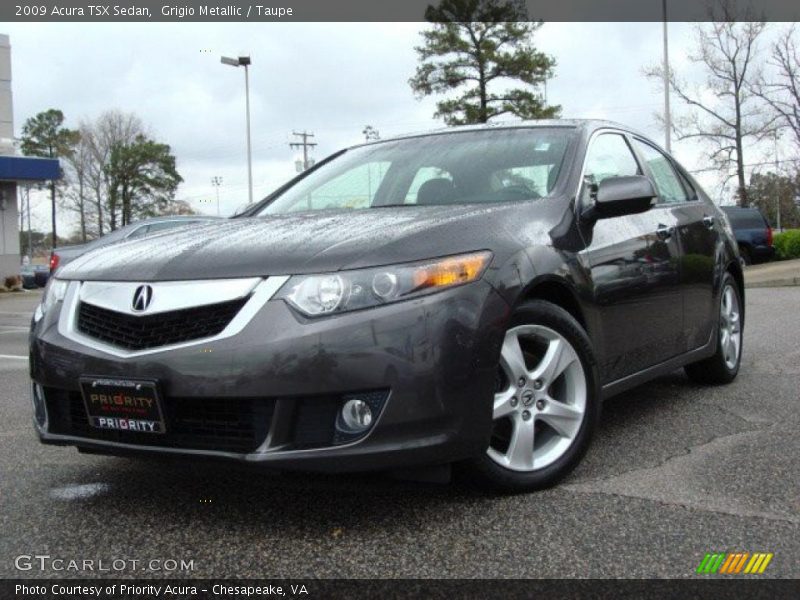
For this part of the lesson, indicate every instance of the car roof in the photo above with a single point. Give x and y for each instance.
(587, 125)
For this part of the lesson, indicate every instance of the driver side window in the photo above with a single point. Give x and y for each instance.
(609, 156)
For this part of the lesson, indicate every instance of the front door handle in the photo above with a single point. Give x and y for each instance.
(664, 232)
(708, 221)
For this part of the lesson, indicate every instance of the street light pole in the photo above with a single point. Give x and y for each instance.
(244, 61)
(249, 147)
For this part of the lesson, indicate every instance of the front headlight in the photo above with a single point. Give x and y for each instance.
(53, 294)
(315, 295)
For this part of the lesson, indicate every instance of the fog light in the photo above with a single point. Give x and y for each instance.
(356, 415)
(39, 409)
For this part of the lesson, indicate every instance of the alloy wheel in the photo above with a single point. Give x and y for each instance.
(730, 329)
(540, 399)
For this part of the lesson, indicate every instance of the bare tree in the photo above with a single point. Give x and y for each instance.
(94, 175)
(112, 129)
(76, 197)
(781, 91)
(724, 114)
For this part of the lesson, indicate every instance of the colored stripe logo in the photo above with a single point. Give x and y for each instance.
(734, 563)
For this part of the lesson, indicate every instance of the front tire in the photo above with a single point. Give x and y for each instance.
(547, 401)
(723, 366)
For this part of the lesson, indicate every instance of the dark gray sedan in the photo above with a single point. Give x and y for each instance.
(467, 296)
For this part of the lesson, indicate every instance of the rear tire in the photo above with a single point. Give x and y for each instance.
(723, 366)
(547, 402)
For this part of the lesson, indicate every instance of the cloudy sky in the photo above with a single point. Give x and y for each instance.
(329, 79)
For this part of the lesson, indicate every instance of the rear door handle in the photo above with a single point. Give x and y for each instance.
(708, 221)
(664, 232)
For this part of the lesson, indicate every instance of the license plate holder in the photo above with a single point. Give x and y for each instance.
(123, 404)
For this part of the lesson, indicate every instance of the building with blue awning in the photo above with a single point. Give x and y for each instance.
(14, 170)
(22, 169)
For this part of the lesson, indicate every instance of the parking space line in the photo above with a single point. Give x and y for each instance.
(13, 357)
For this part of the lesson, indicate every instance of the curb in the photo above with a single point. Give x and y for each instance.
(770, 283)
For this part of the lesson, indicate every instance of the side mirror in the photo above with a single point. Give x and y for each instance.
(618, 196)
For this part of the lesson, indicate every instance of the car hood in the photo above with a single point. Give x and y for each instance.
(69, 253)
(296, 244)
(74, 249)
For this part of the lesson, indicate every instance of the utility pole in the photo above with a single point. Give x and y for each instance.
(667, 112)
(305, 144)
(216, 182)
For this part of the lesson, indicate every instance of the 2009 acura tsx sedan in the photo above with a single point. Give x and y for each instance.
(468, 296)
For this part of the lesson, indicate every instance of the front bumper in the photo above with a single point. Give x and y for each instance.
(433, 359)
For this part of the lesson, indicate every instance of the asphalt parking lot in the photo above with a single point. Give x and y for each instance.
(676, 470)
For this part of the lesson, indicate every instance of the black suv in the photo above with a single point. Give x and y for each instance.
(753, 233)
(468, 296)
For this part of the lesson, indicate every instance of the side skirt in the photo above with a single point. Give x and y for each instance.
(664, 368)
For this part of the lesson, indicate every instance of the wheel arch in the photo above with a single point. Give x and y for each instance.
(559, 292)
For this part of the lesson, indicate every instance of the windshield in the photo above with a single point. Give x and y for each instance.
(473, 167)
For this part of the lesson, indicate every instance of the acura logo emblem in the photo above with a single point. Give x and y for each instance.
(142, 298)
(527, 398)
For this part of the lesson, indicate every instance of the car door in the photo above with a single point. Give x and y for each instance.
(633, 264)
(698, 237)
